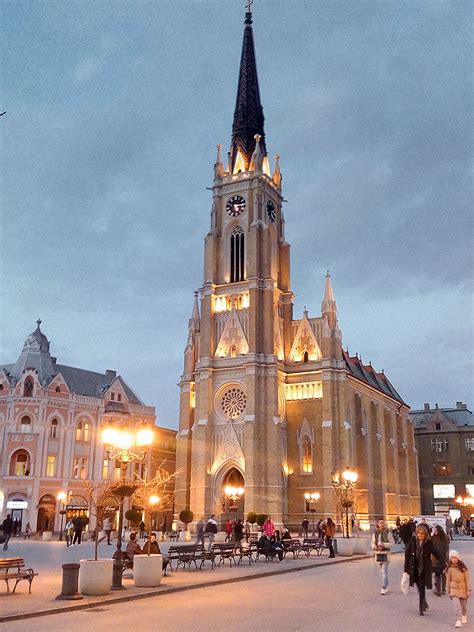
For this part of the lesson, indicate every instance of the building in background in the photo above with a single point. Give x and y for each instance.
(51, 417)
(272, 404)
(444, 438)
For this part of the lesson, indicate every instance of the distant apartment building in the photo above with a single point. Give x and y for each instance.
(444, 438)
(51, 418)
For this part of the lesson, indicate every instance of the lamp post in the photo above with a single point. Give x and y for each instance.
(312, 498)
(61, 498)
(344, 491)
(124, 446)
(465, 501)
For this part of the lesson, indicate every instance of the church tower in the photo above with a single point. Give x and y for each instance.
(271, 407)
(231, 412)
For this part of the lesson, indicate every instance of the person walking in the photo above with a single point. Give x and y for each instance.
(268, 527)
(441, 542)
(418, 565)
(77, 524)
(7, 527)
(211, 530)
(69, 531)
(458, 585)
(382, 540)
(107, 527)
(329, 534)
(229, 525)
(200, 531)
(27, 531)
(142, 530)
(238, 531)
(304, 527)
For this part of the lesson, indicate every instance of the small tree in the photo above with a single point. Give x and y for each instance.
(186, 516)
(134, 516)
(153, 495)
(261, 519)
(252, 517)
(97, 493)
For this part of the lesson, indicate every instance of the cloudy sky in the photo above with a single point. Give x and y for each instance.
(114, 109)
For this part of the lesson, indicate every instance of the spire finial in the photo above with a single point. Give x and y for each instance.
(219, 165)
(248, 14)
(277, 173)
(38, 322)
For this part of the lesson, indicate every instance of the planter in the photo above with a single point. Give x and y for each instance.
(187, 536)
(360, 545)
(147, 570)
(95, 577)
(345, 547)
(47, 536)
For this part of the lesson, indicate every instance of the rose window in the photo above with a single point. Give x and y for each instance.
(233, 402)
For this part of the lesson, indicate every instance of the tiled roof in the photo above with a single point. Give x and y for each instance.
(459, 416)
(366, 373)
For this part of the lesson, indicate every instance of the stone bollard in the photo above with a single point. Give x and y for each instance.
(70, 582)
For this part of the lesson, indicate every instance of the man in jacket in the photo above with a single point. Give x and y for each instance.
(211, 530)
(133, 548)
(7, 527)
(382, 540)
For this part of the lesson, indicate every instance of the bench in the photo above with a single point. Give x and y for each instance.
(269, 554)
(13, 568)
(248, 552)
(187, 554)
(313, 544)
(292, 546)
(227, 551)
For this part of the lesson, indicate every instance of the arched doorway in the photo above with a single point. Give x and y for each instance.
(232, 487)
(46, 510)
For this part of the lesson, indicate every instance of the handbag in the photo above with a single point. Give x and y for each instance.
(405, 583)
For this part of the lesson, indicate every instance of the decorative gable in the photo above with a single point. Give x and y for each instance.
(233, 341)
(229, 450)
(305, 342)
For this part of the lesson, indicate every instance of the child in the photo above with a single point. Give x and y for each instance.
(458, 586)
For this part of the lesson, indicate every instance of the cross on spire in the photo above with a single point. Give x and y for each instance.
(249, 6)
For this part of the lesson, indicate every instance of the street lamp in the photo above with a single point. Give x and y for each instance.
(312, 498)
(124, 446)
(344, 491)
(61, 498)
(466, 501)
(234, 494)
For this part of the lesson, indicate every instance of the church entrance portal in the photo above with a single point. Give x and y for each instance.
(233, 495)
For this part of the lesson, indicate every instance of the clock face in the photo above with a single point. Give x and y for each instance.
(235, 205)
(271, 213)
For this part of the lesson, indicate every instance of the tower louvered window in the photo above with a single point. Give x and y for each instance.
(237, 255)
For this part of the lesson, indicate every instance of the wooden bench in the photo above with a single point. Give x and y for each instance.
(13, 569)
(292, 546)
(313, 544)
(226, 551)
(187, 554)
(248, 551)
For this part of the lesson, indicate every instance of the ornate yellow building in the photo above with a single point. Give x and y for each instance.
(270, 403)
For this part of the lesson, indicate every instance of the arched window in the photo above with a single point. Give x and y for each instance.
(233, 351)
(79, 431)
(307, 456)
(28, 387)
(305, 357)
(20, 463)
(53, 429)
(85, 432)
(237, 255)
(25, 424)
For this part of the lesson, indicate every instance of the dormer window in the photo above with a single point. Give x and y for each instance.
(28, 387)
(438, 426)
(1, 386)
(58, 389)
(119, 397)
(112, 396)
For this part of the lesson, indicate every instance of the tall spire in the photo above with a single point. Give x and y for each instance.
(248, 114)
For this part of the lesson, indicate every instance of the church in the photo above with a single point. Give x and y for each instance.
(271, 405)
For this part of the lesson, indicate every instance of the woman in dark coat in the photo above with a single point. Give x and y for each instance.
(418, 563)
(441, 542)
